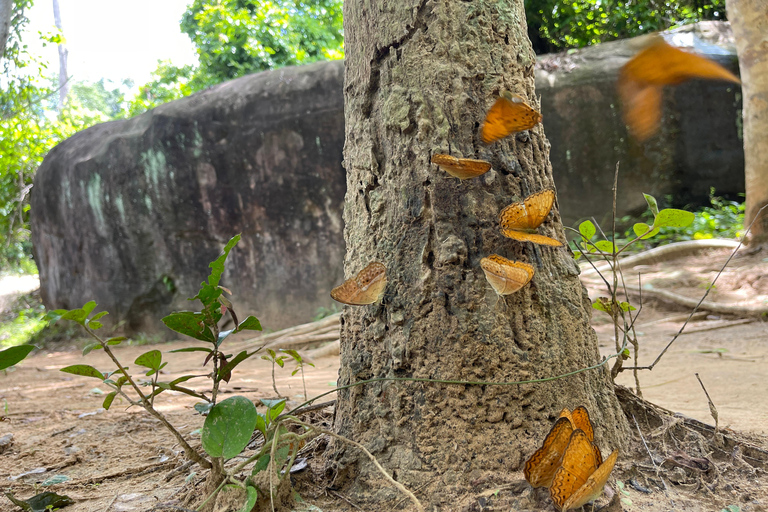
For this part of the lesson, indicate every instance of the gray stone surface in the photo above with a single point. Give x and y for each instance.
(129, 213)
(699, 145)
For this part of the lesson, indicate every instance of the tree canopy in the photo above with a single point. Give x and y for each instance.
(556, 25)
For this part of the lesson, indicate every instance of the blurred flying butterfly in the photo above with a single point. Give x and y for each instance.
(520, 220)
(365, 288)
(658, 64)
(508, 115)
(462, 168)
(506, 276)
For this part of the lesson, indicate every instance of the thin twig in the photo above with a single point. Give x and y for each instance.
(712, 408)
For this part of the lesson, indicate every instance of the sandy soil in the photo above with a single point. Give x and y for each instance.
(122, 460)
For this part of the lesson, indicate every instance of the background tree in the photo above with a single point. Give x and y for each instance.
(556, 25)
(419, 79)
(749, 20)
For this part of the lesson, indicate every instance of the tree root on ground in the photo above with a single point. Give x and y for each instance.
(661, 253)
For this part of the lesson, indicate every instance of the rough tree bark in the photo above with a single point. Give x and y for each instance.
(420, 76)
(749, 20)
(6, 12)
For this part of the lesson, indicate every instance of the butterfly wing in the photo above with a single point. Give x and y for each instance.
(593, 487)
(538, 206)
(541, 466)
(642, 108)
(462, 168)
(580, 418)
(662, 64)
(521, 236)
(506, 276)
(577, 465)
(509, 114)
(365, 288)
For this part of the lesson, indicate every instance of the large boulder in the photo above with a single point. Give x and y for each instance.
(129, 213)
(699, 145)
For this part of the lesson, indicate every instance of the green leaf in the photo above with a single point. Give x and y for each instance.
(601, 306)
(108, 400)
(97, 316)
(222, 336)
(295, 355)
(228, 427)
(250, 500)
(652, 204)
(90, 347)
(671, 218)
(185, 378)
(208, 294)
(281, 456)
(191, 324)
(587, 229)
(217, 266)
(643, 230)
(116, 340)
(14, 355)
(203, 407)
(605, 246)
(84, 370)
(262, 423)
(151, 360)
(42, 502)
(191, 349)
(95, 325)
(274, 407)
(251, 323)
(577, 255)
(626, 306)
(239, 358)
(261, 464)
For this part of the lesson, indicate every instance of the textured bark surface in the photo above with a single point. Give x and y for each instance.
(419, 79)
(749, 20)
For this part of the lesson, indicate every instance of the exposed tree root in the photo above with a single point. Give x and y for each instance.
(666, 296)
(662, 253)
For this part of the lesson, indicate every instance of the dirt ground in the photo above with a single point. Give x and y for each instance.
(122, 460)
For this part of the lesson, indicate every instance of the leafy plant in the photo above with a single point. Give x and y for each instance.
(722, 219)
(231, 423)
(589, 245)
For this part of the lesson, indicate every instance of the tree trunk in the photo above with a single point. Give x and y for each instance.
(419, 79)
(749, 19)
(63, 53)
(6, 12)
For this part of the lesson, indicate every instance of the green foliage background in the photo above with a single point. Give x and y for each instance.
(556, 25)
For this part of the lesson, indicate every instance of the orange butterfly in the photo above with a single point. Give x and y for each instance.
(520, 220)
(540, 468)
(365, 288)
(506, 276)
(509, 114)
(581, 475)
(641, 80)
(462, 168)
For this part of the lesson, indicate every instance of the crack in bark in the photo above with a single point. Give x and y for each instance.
(381, 53)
